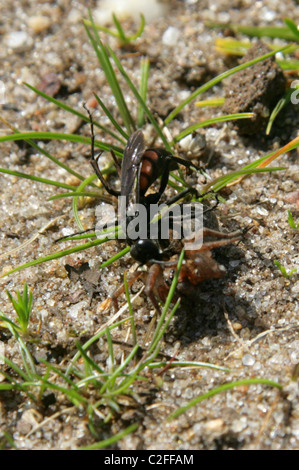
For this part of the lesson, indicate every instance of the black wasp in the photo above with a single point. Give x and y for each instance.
(139, 168)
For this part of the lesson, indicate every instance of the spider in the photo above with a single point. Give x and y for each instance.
(162, 258)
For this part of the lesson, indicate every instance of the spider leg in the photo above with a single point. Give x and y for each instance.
(220, 239)
(154, 273)
(131, 278)
(208, 232)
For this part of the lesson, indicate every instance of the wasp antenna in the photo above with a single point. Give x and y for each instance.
(72, 235)
(98, 156)
(89, 113)
(116, 160)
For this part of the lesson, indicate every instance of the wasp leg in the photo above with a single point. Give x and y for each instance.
(181, 195)
(216, 203)
(94, 164)
(165, 178)
(190, 165)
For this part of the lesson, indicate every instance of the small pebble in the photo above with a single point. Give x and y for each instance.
(237, 326)
(50, 84)
(39, 23)
(151, 9)
(76, 309)
(262, 211)
(248, 360)
(19, 41)
(239, 425)
(29, 419)
(170, 36)
(193, 143)
(215, 425)
(74, 16)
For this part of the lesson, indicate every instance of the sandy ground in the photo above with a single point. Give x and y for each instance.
(247, 322)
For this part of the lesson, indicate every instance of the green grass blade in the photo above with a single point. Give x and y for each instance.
(210, 102)
(187, 364)
(56, 370)
(28, 361)
(120, 29)
(159, 329)
(82, 193)
(44, 152)
(88, 23)
(223, 388)
(89, 342)
(98, 195)
(57, 255)
(103, 58)
(231, 46)
(4, 319)
(37, 178)
(15, 368)
(288, 64)
(60, 136)
(58, 103)
(9, 440)
(118, 371)
(93, 364)
(13, 301)
(283, 269)
(291, 221)
(292, 27)
(110, 350)
(115, 34)
(162, 331)
(279, 106)
(282, 32)
(71, 393)
(116, 257)
(140, 101)
(140, 30)
(126, 383)
(111, 440)
(145, 65)
(209, 122)
(75, 200)
(222, 181)
(111, 119)
(131, 313)
(69, 109)
(80, 236)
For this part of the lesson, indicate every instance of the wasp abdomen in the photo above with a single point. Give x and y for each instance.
(149, 171)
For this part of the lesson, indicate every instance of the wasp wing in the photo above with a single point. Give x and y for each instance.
(131, 160)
